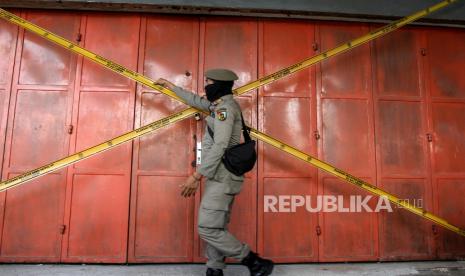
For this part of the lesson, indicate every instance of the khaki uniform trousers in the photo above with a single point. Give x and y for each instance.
(214, 216)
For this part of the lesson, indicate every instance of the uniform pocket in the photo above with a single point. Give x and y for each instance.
(215, 206)
(209, 218)
(236, 178)
(215, 197)
(234, 184)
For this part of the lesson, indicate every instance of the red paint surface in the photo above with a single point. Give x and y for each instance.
(447, 106)
(161, 225)
(287, 113)
(346, 127)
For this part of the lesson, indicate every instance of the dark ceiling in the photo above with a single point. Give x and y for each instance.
(353, 10)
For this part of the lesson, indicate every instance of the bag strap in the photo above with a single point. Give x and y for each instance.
(210, 131)
(245, 130)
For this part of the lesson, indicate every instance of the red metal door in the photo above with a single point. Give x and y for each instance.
(287, 112)
(161, 227)
(8, 39)
(446, 64)
(232, 43)
(97, 199)
(403, 167)
(39, 113)
(346, 127)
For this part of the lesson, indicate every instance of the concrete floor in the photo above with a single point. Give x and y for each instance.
(452, 268)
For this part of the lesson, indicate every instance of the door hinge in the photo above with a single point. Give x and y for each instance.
(62, 229)
(318, 230)
(315, 46)
(70, 129)
(423, 51)
(316, 134)
(429, 137)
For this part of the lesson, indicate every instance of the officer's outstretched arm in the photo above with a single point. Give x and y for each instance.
(224, 122)
(192, 99)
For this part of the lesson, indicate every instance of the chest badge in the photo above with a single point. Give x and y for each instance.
(221, 114)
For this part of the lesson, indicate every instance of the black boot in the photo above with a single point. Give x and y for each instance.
(258, 266)
(214, 272)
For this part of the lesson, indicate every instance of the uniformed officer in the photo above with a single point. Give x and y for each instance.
(223, 130)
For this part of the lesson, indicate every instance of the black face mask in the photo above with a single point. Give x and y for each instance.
(218, 89)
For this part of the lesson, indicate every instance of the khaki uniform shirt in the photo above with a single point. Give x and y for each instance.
(225, 122)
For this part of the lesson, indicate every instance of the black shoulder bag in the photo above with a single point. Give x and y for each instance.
(240, 158)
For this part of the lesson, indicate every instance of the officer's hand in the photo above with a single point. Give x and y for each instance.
(189, 187)
(165, 83)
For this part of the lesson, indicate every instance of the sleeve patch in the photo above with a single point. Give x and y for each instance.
(221, 114)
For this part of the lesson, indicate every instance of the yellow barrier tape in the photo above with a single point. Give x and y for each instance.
(20, 179)
(241, 90)
(341, 48)
(354, 180)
